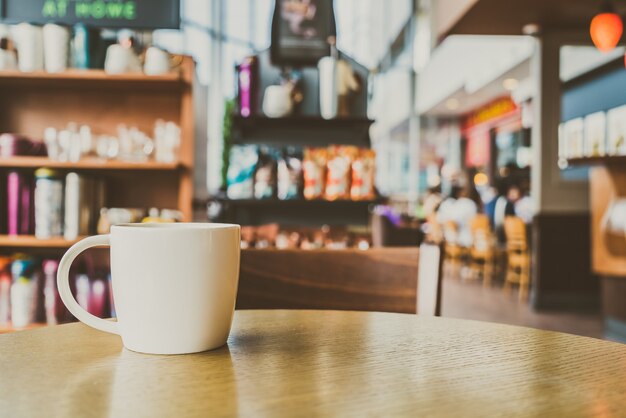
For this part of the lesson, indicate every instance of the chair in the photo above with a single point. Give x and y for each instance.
(483, 250)
(378, 279)
(454, 253)
(386, 234)
(518, 255)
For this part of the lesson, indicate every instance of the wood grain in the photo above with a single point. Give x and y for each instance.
(379, 279)
(8, 328)
(319, 363)
(88, 163)
(93, 76)
(30, 241)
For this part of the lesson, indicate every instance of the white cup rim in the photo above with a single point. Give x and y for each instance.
(155, 226)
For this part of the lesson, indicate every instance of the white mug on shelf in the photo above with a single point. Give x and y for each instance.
(277, 101)
(157, 61)
(174, 285)
(120, 60)
(8, 60)
(29, 40)
(56, 45)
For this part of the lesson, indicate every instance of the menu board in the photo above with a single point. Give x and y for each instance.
(132, 14)
(301, 31)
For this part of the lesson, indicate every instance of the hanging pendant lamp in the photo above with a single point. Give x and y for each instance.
(606, 29)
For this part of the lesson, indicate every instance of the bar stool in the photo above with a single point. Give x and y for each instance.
(454, 253)
(482, 252)
(518, 256)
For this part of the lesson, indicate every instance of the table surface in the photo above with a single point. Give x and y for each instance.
(318, 363)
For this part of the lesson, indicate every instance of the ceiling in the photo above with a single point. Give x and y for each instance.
(507, 17)
(470, 70)
(468, 102)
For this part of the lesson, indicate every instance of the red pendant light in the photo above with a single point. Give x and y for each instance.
(606, 29)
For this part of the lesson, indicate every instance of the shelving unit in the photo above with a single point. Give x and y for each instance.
(302, 130)
(5, 329)
(85, 164)
(305, 128)
(296, 212)
(74, 77)
(30, 241)
(31, 102)
(608, 160)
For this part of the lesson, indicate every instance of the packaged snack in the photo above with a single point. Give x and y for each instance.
(363, 173)
(290, 174)
(314, 170)
(240, 176)
(338, 172)
(265, 175)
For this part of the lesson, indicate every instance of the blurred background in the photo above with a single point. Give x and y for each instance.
(494, 128)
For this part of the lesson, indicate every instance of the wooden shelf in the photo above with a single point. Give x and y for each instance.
(30, 241)
(297, 202)
(294, 212)
(301, 130)
(610, 160)
(82, 77)
(6, 329)
(84, 164)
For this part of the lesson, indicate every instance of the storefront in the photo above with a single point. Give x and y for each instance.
(497, 145)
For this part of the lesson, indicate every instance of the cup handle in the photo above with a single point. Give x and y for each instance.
(63, 283)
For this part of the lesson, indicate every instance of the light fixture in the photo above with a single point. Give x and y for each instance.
(510, 84)
(606, 29)
(452, 104)
(481, 179)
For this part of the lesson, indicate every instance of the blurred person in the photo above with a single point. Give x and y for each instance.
(514, 194)
(502, 208)
(432, 201)
(490, 198)
(465, 208)
(524, 208)
(446, 208)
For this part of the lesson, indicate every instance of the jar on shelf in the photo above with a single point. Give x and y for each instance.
(48, 204)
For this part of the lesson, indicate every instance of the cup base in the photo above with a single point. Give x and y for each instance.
(172, 352)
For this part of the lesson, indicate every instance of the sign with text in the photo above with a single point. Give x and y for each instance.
(300, 31)
(132, 14)
(490, 112)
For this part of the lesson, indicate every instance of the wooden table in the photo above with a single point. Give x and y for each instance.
(315, 363)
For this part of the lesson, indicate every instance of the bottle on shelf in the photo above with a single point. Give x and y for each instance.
(5, 291)
(23, 293)
(48, 204)
(20, 212)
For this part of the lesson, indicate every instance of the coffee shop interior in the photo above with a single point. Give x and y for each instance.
(464, 159)
(495, 133)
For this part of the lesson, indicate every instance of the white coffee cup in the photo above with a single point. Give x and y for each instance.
(174, 285)
(157, 61)
(56, 41)
(120, 60)
(29, 41)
